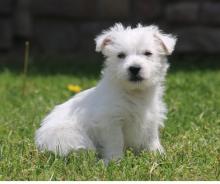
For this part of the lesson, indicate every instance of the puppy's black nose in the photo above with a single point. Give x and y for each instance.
(134, 70)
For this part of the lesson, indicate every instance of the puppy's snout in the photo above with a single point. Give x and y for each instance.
(134, 70)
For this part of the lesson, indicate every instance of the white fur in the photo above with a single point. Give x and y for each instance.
(117, 113)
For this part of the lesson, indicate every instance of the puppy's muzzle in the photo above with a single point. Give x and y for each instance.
(134, 73)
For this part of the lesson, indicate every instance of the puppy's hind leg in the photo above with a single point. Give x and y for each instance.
(62, 139)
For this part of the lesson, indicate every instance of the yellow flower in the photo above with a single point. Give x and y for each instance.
(74, 88)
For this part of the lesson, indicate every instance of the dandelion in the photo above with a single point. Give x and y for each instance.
(74, 88)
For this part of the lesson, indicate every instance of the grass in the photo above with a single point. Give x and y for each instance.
(191, 136)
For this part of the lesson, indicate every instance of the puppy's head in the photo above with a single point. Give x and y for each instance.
(136, 57)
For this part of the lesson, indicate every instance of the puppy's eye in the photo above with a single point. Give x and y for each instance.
(121, 55)
(147, 53)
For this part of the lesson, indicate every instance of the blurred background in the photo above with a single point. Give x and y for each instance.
(68, 27)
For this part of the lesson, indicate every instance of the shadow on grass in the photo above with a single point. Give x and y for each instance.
(91, 66)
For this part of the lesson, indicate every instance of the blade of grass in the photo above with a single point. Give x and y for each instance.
(25, 71)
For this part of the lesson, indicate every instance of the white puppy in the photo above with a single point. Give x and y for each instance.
(126, 108)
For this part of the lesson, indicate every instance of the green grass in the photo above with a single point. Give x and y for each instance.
(191, 136)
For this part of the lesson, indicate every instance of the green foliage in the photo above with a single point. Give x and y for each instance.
(191, 136)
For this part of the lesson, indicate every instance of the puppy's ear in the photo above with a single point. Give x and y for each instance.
(106, 37)
(102, 41)
(166, 41)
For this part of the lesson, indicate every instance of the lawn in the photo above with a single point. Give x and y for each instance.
(191, 136)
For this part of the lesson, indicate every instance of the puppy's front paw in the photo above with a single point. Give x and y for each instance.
(156, 146)
(106, 162)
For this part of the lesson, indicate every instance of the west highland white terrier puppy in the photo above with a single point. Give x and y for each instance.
(125, 109)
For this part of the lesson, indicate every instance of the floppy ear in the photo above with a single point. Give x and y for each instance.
(105, 38)
(102, 41)
(167, 42)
